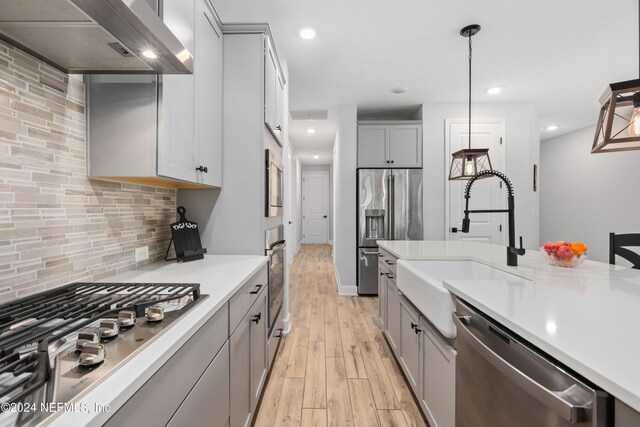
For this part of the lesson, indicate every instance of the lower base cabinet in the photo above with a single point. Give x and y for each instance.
(438, 380)
(208, 403)
(393, 331)
(248, 365)
(426, 358)
(410, 343)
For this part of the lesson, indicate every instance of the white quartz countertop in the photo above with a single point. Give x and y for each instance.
(585, 317)
(220, 276)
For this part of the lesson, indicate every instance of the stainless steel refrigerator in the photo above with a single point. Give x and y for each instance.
(389, 208)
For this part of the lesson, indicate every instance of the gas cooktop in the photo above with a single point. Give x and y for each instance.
(57, 345)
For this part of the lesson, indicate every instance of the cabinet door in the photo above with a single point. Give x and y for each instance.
(438, 379)
(208, 83)
(280, 113)
(258, 347)
(405, 146)
(393, 316)
(270, 73)
(240, 374)
(382, 296)
(208, 403)
(373, 141)
(410, 344)
(176, 136)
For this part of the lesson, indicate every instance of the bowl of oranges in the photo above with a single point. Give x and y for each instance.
(564, 254)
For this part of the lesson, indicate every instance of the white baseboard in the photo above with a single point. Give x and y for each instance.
(331, 242)
(286, 324)
(346, 290)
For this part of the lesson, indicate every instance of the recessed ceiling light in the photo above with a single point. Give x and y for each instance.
(400, 89)
(148, 53)
(315, 156)
(552, 127)
(311, 130)
(308, 33)
(494, 90)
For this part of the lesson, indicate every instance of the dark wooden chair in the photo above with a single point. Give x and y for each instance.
(618, 244)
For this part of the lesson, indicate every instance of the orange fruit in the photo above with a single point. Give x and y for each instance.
(578, 248)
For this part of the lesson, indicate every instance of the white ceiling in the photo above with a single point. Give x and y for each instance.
(556, 55)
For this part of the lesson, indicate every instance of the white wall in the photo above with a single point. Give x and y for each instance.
(586, 196)
(522, 145)
(324, 168)
(344, 168)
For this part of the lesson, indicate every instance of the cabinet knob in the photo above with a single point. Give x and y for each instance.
(256, 318)
(202, 169)
(391, 161)
(279, 128)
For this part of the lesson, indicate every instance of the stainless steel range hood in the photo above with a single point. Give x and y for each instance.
(95, 36)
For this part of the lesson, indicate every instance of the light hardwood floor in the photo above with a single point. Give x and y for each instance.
(335, 367)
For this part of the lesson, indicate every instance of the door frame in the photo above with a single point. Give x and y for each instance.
(447, 162)
(302, 200)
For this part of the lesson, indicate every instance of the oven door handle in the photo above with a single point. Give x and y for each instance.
(553, 400)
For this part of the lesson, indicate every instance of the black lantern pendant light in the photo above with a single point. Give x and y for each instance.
(618, 126)
(469, 161)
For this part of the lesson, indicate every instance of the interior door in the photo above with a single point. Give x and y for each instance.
(315, 207)
(486, 193)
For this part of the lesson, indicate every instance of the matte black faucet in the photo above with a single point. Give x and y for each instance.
(512, 251)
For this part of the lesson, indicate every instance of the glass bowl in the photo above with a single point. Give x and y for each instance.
(572, 262)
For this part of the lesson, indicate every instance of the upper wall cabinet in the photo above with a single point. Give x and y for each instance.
(390, 144)
(273, 92)
(163, 130)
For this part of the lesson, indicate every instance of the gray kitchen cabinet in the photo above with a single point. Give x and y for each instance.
(156, 402)
(438, 378)
(393, 330)
(208, 403)
(405, 145)
(410, 343)
(163, 130)
(208, 89)
(177, 144)
(390, 144)
(383, 288)
(248, 365)
(259, 318)
(273, 92)
(372, 145)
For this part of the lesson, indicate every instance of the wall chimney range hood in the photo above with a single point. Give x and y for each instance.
(95, 36)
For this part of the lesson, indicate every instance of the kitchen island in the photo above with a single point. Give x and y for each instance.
(583, 317)
(221, 278)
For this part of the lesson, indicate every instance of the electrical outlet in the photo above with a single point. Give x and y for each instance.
(142, 253)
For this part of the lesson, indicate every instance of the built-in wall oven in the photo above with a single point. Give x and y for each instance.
(275, 246)
(274, 184)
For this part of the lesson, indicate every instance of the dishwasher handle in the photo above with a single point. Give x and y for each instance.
(569, 411)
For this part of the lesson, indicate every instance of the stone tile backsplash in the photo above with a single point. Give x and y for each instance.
(56, 225)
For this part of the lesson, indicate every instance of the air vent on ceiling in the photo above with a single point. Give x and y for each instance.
(309, 115)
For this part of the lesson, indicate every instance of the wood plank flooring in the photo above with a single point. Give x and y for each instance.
(335, 367)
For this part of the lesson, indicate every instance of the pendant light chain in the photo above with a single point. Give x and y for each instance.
(470, 56)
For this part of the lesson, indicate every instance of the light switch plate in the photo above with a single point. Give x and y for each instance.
(142, 253)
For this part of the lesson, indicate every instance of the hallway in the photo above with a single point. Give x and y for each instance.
(335, 367)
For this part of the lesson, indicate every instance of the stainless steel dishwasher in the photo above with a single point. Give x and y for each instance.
(502, 381)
